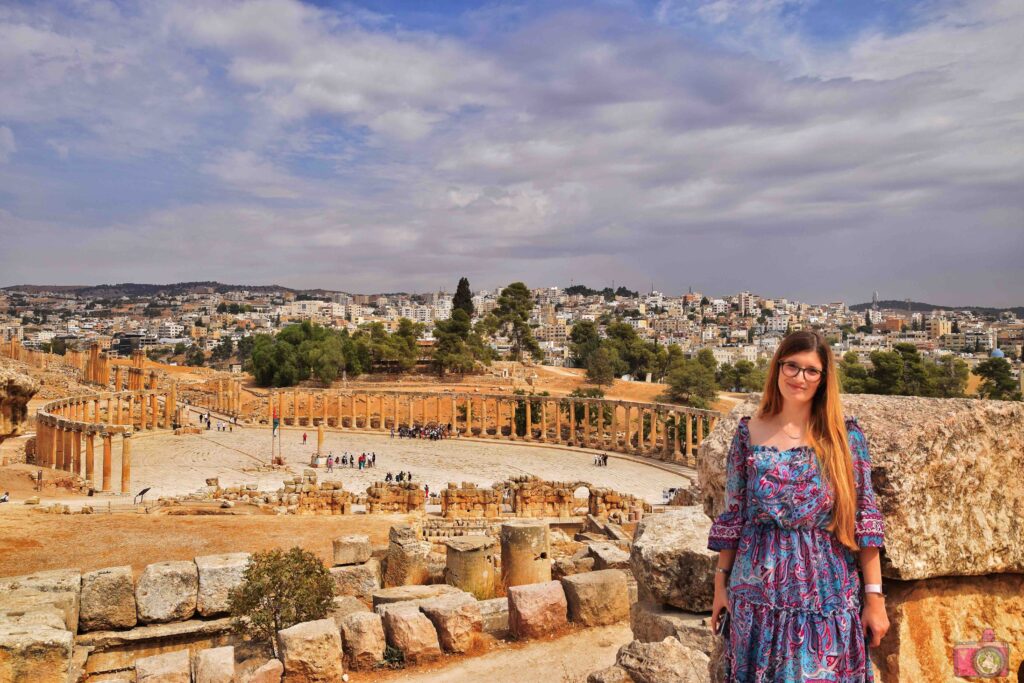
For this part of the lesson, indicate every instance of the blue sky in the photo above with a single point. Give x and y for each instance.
(811, 149)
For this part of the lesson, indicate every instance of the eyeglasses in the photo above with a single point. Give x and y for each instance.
(790, 369)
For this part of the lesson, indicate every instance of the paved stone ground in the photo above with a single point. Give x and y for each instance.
(178, 465)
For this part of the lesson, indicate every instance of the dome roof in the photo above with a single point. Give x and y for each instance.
(997, 353)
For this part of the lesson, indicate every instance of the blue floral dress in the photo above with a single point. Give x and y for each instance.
(794, 589)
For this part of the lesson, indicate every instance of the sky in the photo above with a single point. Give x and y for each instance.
(812, 149)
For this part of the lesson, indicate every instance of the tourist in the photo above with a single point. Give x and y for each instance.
(769, 552)
(387, 479)
(330, 463)
(303, 438)
(392, 432)
(6, 497)
(373, 462)
(426, 491)
(344, 459)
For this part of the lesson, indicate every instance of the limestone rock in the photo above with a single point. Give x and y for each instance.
(653, 623)
(20, 601)
(344, 605)
(218, 574)
(408, 630)
(352, 549)
(536, 609)
(928, 618)
(268, 673)
(358, 580)
(16, 389)
(215, 665)
(408, 561)
(32, 652)
(597, 598)
(612, 674)
(167, 591)
(457, 620)
(665, 662)
(494, 614)
(385, 596)
(172, 667)
(946, 474)
(671, 562)
(311, 652)
(49, 581)
(108, 600)
(608, 556)
(363, 639)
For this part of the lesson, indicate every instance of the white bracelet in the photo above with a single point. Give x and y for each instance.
(872, 588)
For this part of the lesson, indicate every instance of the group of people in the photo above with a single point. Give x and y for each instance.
(601, 460)
(364, 461)
(398, 478)
(433, 433)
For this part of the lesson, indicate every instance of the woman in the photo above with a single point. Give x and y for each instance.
(800, 514)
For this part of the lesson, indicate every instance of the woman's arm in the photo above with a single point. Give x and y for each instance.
(727, 527)
(869, 531)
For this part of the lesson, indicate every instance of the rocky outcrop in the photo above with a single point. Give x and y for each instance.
(946, 473)
(671, 562)
(665, 662)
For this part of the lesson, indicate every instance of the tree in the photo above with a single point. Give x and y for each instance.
(706, 357)
(513, 315)
(583, 341)
(451, 352)
(997, 381)
(195, 357)
(223, 350)
(58, 346)
(853, 377)
(949, 376)
(601, 367)
(280, 589)
(179, 348)
(463, 298)
(692, 383)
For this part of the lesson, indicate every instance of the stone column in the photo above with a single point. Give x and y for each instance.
(558, 420)
(107, 460)
(142, 413)
(455, 416)
(90, 457)
(676, 453)
(572, 422)
(76, 451)
(586, 424)
(513, 406)
(118, 377)
(126, 463)
(528, 432)
(320, 438)
(154, 407)
(691, 457)
(68, 461)
(469, 416)
(325, 397)
(469, 567)
(131, 410)
(525, 553)
(483, 417)
(544, 421)
(689, 436)
(54, 446)
(295, 408)
(280, 407)
(171, 403)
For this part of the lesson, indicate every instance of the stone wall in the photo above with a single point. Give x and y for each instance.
(402, 498)
(530, 496)
(946, 473)
(471, 501)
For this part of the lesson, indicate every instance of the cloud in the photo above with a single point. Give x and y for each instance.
(7, 146)
(278, 141)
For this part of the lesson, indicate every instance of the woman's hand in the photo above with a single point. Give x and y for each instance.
(720, 602)
(872, 617)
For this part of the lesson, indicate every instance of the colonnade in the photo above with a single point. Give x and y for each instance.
(665, 431)
(64, 424)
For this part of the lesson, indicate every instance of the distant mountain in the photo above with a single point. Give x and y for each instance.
(133, 290)
(921, 307)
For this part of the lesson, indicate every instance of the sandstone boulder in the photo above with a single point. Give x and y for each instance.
(218, 574)
(665, 662)
(597, 598)
(167, 591)
(671, 562)
(494, 614)
(357, 580)
(457, 620)
(352, 549)
(363, 639)
(311, 652)
(21, 601)
(386, 596)
(345, 605)
(215, 665)
(268, 673)
(612, 674)
(653, 623)
(172, 667)
(608, 556)
(946, 474)
(536, 609)
(409, 562)
(49, 581)
(108, 600)
(408, 630)
(34, 652)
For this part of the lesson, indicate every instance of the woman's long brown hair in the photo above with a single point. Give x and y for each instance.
(827, 428)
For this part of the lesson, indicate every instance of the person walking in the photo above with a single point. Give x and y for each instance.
(800, 515)
(303, 438)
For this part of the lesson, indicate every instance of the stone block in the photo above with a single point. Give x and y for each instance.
(536, 609)
(268, 673)
(20, 601)
(608, 556)
(385, 596)
(665, 662)
(611, 674)
(49, 581)
(946, 474)
(457, 620)
(108, 600)
(363, 639)
(215, 665)
(218, 574)
(352, 549)
(407, 629)
(597, 598)
(358, 580)
(167, 591)
(344, 605)
(172, 667)
(653, 623)
(33, 652)
(311, 652)
(408, 563)
(671, 562)
(494, 614)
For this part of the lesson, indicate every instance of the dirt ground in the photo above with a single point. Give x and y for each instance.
(33, 541)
